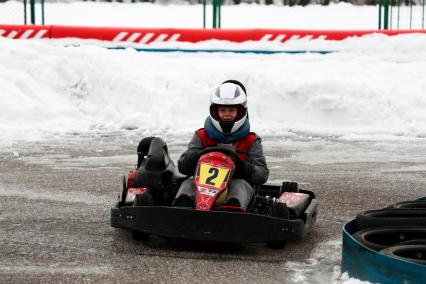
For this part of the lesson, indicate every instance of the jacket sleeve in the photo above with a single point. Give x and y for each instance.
(259, 172)
(188, 160)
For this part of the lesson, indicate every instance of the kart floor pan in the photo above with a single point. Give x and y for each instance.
(181, 223)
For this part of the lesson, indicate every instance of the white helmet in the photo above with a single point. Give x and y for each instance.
(229, 93)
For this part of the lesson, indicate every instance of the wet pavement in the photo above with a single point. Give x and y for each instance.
(56, 197)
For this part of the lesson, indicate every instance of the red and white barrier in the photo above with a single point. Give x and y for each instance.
(148, 36)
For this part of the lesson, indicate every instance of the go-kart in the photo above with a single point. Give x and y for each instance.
(276, 214)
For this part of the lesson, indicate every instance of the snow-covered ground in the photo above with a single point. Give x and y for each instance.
(372, 89)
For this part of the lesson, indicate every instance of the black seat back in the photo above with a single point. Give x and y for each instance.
(157, 158)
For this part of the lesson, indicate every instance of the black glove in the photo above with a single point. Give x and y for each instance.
(243, 169)
(187, 166)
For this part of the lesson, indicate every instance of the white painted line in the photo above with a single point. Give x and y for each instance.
(322, 37)
(160, 38)
(26, 34)
(133, 37)
(12, 34)
(174, 37)
(120, 36)
(279, 38)
(266, 37)
(40, 34)
(146, 37)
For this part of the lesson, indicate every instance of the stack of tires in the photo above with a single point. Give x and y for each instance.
(398, 231)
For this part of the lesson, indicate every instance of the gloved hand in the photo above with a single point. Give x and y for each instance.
(243, 168)
(188, 164)
(192, 159)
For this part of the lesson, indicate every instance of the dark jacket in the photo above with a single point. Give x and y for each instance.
(256, 173)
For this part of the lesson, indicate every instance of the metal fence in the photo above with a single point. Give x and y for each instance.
(392, 14)
(23, 12)
(401, 14)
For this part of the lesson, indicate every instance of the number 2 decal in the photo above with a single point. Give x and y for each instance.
(214, 173)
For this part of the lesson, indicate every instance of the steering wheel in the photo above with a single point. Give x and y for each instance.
(237, 160)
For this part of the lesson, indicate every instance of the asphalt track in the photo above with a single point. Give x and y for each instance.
(55, 198)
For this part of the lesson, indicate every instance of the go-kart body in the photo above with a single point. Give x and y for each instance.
(277, 213)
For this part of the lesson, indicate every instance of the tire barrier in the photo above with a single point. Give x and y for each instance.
(379, 238)
(398, 230)
(392, 217)
(416, 204)
(153, 35)
(414, 253)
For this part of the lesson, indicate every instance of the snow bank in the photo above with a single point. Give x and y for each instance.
(374, 88)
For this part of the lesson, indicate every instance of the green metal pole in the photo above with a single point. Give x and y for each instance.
(32, 12)
(25, 12)
(411, 13)
(204, 14)
(423, 15)
(386, 15)
(380, 14)
(399, 5)
(214, 14)
(220, 13)
(391, 15)
(42, 12)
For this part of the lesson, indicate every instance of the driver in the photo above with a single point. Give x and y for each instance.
(228, 127)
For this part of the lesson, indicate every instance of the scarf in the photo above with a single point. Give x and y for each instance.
(220, 137)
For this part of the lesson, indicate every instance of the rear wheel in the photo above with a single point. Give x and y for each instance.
(276, 244)
(289, 186)
(278, 210)
(144, 199)
(121, 200)
(140, 236)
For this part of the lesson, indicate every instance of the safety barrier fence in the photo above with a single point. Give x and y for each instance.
(399, 14)
(149, 36)
(392, 14)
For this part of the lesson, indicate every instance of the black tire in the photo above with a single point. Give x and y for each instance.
(413, 253)
(416, 204)
(391, 217)
(122, 196)
(144, 199)
(379, 238)
(140, 236)
(289, 186)
(413, 242)
(276, 244)
(278, 210)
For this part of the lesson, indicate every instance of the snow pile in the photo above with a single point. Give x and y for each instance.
(374, 88)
